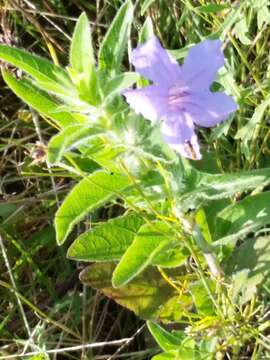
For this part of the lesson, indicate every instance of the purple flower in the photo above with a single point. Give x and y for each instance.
(180, 95)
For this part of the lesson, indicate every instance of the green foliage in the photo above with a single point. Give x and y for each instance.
(165, 340)
(107, 242)
(90, 193)
(212, 8)
(40, 101)
(114, 43)
(150, 240)
(161, 258)
(37, 67)
(244, 217)
(145, 5)
(119, 83)
(204, 188)
(148, 295)
(249, 266)
(71, 137)
(82, 60)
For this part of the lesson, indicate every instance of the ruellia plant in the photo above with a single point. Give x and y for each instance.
(183, 248)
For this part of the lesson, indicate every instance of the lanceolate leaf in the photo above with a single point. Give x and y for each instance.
(244, 217)
(119, 83)
(39, 68)
(148, 243)
(108, 241)
(253, 258)
(145, 5)
(71, 137)
(165, 340)
(146, 31)
(250, 130)
(115, 41)
(82, 58)
(206, 187)
(81, 53)
(172, 257)
(90, 193)
(148, 295)
(39, 100)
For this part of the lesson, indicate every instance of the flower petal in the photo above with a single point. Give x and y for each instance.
(208, 109)
(178, 132)
(150, 101)
(202, 63)
(152, 61)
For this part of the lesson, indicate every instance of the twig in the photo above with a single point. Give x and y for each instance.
(71, 348)
(126, 342)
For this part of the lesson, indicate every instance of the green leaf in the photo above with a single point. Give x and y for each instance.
(150, 241)
(263, 14)
(82, 58)
(202, 301)
(39, 100)
(39, 68)
(119, 83)
(201, 220)
(71, 137)
(7, 209)
(229, 21)
(39, 357)
(115, 41)
(172, 257)
(180, 53)
(104, 153)
(165, 340)
(148, 295)
(203, 188)
(81, 52)
(249, 131)
(169, 355)
(186, 351)
(108, 241)
(251, 260)
(90, 193)
(145, 5)
(227, 79)
(146, 31)
(241, 31)
(212, 8)
(243, 217)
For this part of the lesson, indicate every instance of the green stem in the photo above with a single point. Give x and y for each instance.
(208, 254)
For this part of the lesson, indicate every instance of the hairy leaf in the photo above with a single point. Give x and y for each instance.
(243, 217)
(119, 83)
(108, 241)
(115, 41)
(71, 137)
(165, 340)
(39, 68)
(82, 58)
(251, 260)
(203, 188)
(90, 193)
(148, 295)
(147, 244)
(40, 101)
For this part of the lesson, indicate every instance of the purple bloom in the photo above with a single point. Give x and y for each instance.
(180, 95)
